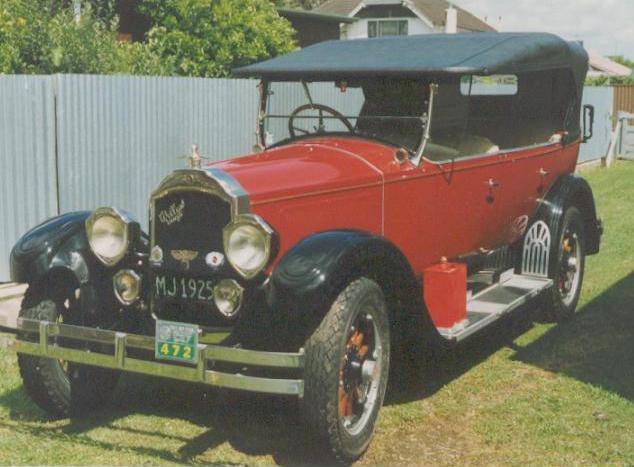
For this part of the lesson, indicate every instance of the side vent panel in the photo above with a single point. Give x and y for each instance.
(536, 251)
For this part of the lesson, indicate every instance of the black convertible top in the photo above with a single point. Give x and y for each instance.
(427, 54)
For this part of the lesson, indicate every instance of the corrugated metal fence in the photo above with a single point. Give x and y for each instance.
(119, 136)
(28, 189)
(109, 140)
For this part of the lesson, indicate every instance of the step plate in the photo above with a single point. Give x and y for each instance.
(495, 301)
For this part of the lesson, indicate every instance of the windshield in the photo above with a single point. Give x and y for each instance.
(388, 110)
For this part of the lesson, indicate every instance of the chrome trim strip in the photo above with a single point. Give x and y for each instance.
(233, 188)
(268, 359)
(199, 373)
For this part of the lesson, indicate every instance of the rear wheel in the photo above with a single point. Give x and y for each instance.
(58, 387)
(568, 267)
(346, 373)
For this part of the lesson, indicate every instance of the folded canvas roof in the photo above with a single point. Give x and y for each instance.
(426, 54)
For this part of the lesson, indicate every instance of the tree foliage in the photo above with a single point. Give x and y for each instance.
(304, 4)
(210, 37)
(103, 10)
(42, 37)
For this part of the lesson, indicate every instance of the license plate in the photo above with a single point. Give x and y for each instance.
(176, 341)
(183, 288)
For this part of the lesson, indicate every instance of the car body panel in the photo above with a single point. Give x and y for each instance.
(330, 183)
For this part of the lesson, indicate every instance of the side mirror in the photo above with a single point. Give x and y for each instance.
(588, 122)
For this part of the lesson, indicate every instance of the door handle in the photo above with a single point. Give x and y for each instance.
(494, 183)
(543, 173)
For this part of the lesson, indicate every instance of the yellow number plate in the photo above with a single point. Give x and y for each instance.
(176, 342)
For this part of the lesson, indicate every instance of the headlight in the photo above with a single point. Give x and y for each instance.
(247, 244)
(228, 297)
(127, 286)
(108, 235)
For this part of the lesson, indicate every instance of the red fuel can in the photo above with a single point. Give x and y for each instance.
(445, 293)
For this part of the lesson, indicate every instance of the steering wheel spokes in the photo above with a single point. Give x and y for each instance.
(321, 127)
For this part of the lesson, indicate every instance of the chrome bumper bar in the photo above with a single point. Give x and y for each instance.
(122, 342)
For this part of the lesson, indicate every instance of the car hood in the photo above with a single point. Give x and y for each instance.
(306, 167)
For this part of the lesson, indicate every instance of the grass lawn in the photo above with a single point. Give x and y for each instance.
(522, 393)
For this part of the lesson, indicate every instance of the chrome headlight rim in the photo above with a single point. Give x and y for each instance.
(254, 221)
(137, 278)
(119, 216)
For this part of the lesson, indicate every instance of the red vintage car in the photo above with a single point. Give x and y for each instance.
(436, 198)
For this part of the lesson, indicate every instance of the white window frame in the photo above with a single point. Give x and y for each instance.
(378, 22)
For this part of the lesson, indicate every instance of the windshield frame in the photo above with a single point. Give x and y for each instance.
(265, 94)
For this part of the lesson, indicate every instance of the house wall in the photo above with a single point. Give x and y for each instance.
(359, 29)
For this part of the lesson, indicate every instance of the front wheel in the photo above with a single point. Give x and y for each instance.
(346, 372)
(567, 268)
(58, 387)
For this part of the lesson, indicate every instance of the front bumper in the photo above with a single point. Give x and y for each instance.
(118, 345)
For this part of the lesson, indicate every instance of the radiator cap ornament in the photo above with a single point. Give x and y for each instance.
(195, 160)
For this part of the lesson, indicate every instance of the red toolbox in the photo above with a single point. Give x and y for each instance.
(445, 293)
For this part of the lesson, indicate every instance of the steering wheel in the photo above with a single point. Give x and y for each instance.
(292, 129)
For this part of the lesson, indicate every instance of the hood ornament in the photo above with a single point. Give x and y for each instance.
(195, 161)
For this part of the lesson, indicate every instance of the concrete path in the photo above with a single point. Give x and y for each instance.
(10, 300)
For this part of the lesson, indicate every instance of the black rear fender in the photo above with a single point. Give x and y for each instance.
(572, 190)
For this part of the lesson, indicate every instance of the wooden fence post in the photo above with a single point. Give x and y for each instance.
(610, 157)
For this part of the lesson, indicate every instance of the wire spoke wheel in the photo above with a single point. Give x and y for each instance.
(359, 373)
(569, 272)
(346, 370)
(568, 251)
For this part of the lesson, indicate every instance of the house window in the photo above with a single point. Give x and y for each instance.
(387, 27)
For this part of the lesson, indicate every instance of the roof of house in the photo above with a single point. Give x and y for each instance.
(604, 66)
(317, 15)
(434, 10)
(424, 55)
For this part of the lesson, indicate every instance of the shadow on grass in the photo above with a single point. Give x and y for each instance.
(596, 346)
(251, 424)
(411, 381)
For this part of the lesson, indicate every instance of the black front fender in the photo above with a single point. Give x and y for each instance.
(306, 281)
(58, 243)
(309, 277)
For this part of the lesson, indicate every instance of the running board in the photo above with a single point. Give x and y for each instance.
(495, 301)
